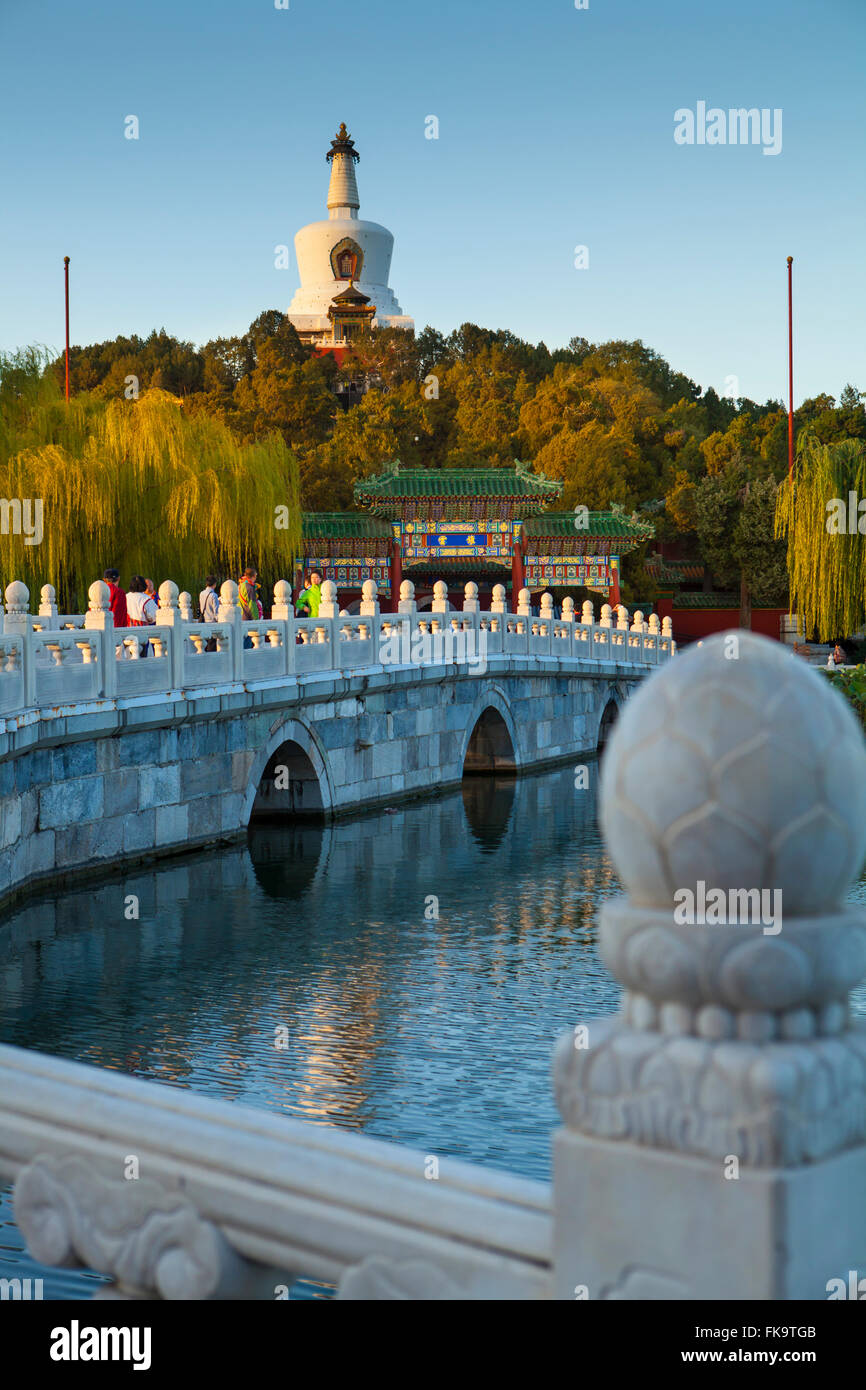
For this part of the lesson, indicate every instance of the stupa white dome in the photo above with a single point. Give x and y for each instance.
(339, 252)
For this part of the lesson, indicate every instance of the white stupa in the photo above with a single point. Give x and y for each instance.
(343, 254)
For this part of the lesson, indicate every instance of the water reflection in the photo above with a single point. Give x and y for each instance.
(430, 1027)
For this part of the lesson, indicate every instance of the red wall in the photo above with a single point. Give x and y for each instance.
(692, 623)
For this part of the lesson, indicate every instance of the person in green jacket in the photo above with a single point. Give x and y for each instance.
(310, 598)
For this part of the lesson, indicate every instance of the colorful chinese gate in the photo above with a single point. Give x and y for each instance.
(486, 524)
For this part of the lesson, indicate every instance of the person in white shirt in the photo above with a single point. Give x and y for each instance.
(208, 601)
(140, 608)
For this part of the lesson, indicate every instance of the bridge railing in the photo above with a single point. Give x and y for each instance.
(59, 659)
(727, 1096)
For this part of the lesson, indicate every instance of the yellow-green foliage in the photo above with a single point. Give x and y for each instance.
(827, 571)
(142, 485)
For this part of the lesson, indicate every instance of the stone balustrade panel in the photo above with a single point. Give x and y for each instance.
(315, 646)
(271, 649)
(67, 666)
(142, 660)
(275, 1192)
(517, 634)
(11, 673)
(491, 630)
(203, 667)
(109, 663)
(356, 643)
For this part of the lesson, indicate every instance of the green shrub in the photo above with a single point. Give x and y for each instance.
(852, 684)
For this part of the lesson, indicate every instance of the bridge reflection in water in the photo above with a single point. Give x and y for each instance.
(420, 961)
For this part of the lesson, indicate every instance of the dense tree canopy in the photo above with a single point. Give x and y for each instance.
(144, 484)
(614, 421)
(820, 514)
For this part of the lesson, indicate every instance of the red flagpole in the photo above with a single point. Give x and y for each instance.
(790, 375)
(66, 277)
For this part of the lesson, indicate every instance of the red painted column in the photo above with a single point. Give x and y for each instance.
(614, 581)
(396, 573)
(517, 574)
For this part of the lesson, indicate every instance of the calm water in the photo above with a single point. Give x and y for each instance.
(436, 1033)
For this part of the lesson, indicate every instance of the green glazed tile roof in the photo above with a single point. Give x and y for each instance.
(701, 600)
(398, 482)
(720, 600)
(561, 524)
(343, 526)
(673, 571)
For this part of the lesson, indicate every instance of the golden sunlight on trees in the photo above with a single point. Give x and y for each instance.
(140, 484)
(826, 549)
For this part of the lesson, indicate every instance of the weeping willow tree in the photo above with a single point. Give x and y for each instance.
(139, 484)
(826, 549)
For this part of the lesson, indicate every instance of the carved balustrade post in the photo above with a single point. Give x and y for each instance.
(17, 623)
(498, 603)
(230, 614)
(407, 604)
(329, 610)
(99, 618)
(715, 1128)
(370, 609)
(470, 597)
(169, 615)
(283, 610)
(48, 606)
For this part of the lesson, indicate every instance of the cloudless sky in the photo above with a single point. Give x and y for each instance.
(556, 130)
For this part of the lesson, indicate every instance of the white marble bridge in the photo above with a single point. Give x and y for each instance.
(108, 754)
(713, 1142)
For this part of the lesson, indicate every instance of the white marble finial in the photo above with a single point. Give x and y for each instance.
(17, 597)
(774, 797)
(99, 596)
(328, 603)
(406, 603)
(440, 602)
(470, 601)
(369, 599)
(733, 805)
(498, 602)
(228, 611)
(282, 607)
(168, 595)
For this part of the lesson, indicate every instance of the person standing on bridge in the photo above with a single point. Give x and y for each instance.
(310, 598)
(208, 600)
(248, 596)
(248, 599)
(116, 597)
(209, 605)
(140, 608)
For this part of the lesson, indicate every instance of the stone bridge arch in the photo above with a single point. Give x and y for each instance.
(306, 787)
(610, 702)
(490, 740)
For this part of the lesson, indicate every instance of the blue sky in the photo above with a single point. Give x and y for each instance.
(555, 130)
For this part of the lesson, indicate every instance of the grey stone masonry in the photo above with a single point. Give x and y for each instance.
(82, 787)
